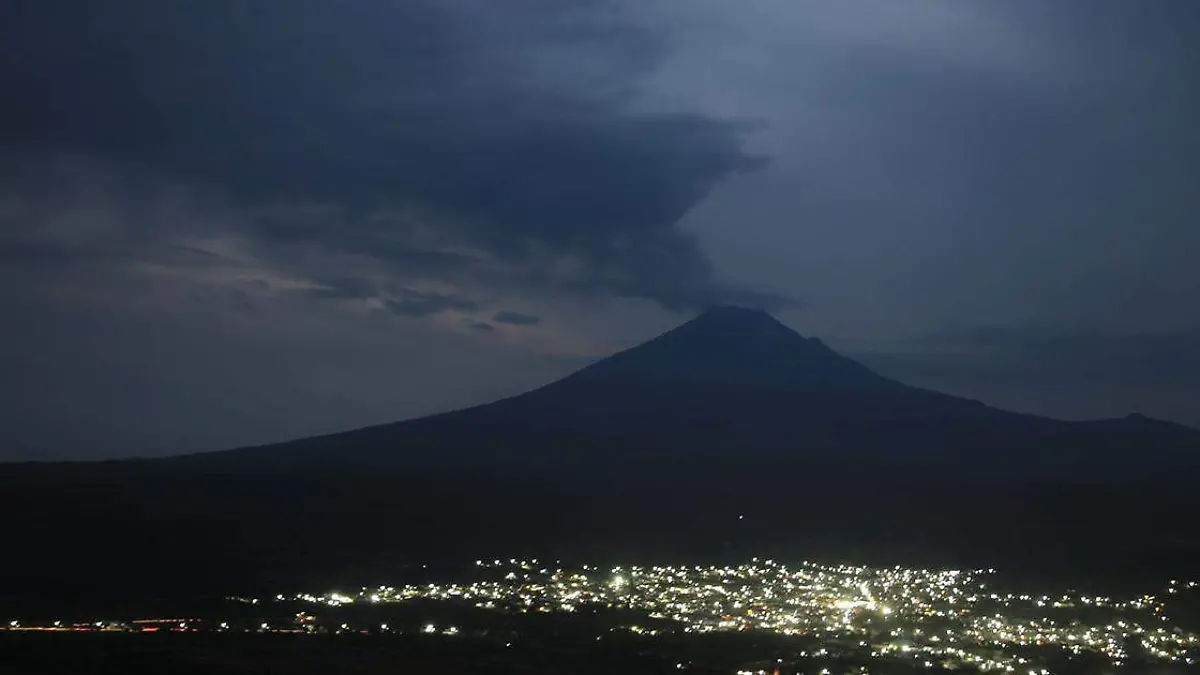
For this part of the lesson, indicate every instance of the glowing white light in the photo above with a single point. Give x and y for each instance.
(768, 596)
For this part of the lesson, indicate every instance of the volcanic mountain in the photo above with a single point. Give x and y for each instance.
(736, 383)
(730, 435)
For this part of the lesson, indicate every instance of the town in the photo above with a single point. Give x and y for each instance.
(832, 614)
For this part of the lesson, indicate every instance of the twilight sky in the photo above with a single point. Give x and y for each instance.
(237, 221)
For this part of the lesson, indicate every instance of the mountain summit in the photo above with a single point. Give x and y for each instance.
(735, 346)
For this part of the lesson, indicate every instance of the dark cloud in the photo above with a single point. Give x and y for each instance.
(347, 288)
(43, 253)
(453, 109)
(516, 318)
(417, 304)
(481, 326)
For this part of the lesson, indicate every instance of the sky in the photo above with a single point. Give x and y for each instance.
(242, 221)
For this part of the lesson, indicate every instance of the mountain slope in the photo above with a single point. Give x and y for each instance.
(731, 383)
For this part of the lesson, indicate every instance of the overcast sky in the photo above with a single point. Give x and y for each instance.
(237, 221)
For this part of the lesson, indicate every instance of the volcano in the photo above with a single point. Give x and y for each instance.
(729, 435)
(737, 383)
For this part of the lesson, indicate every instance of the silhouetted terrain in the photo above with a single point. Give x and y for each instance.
(729, 436)
(735, 384)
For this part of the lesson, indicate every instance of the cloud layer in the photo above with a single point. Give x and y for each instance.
(405, 132)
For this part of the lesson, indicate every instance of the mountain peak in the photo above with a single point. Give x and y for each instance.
(739, 323)
(732, 345)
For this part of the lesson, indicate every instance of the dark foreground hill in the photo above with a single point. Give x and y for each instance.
(728, 437)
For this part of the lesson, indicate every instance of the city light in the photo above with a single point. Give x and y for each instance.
(926, 618)
(953, 618)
